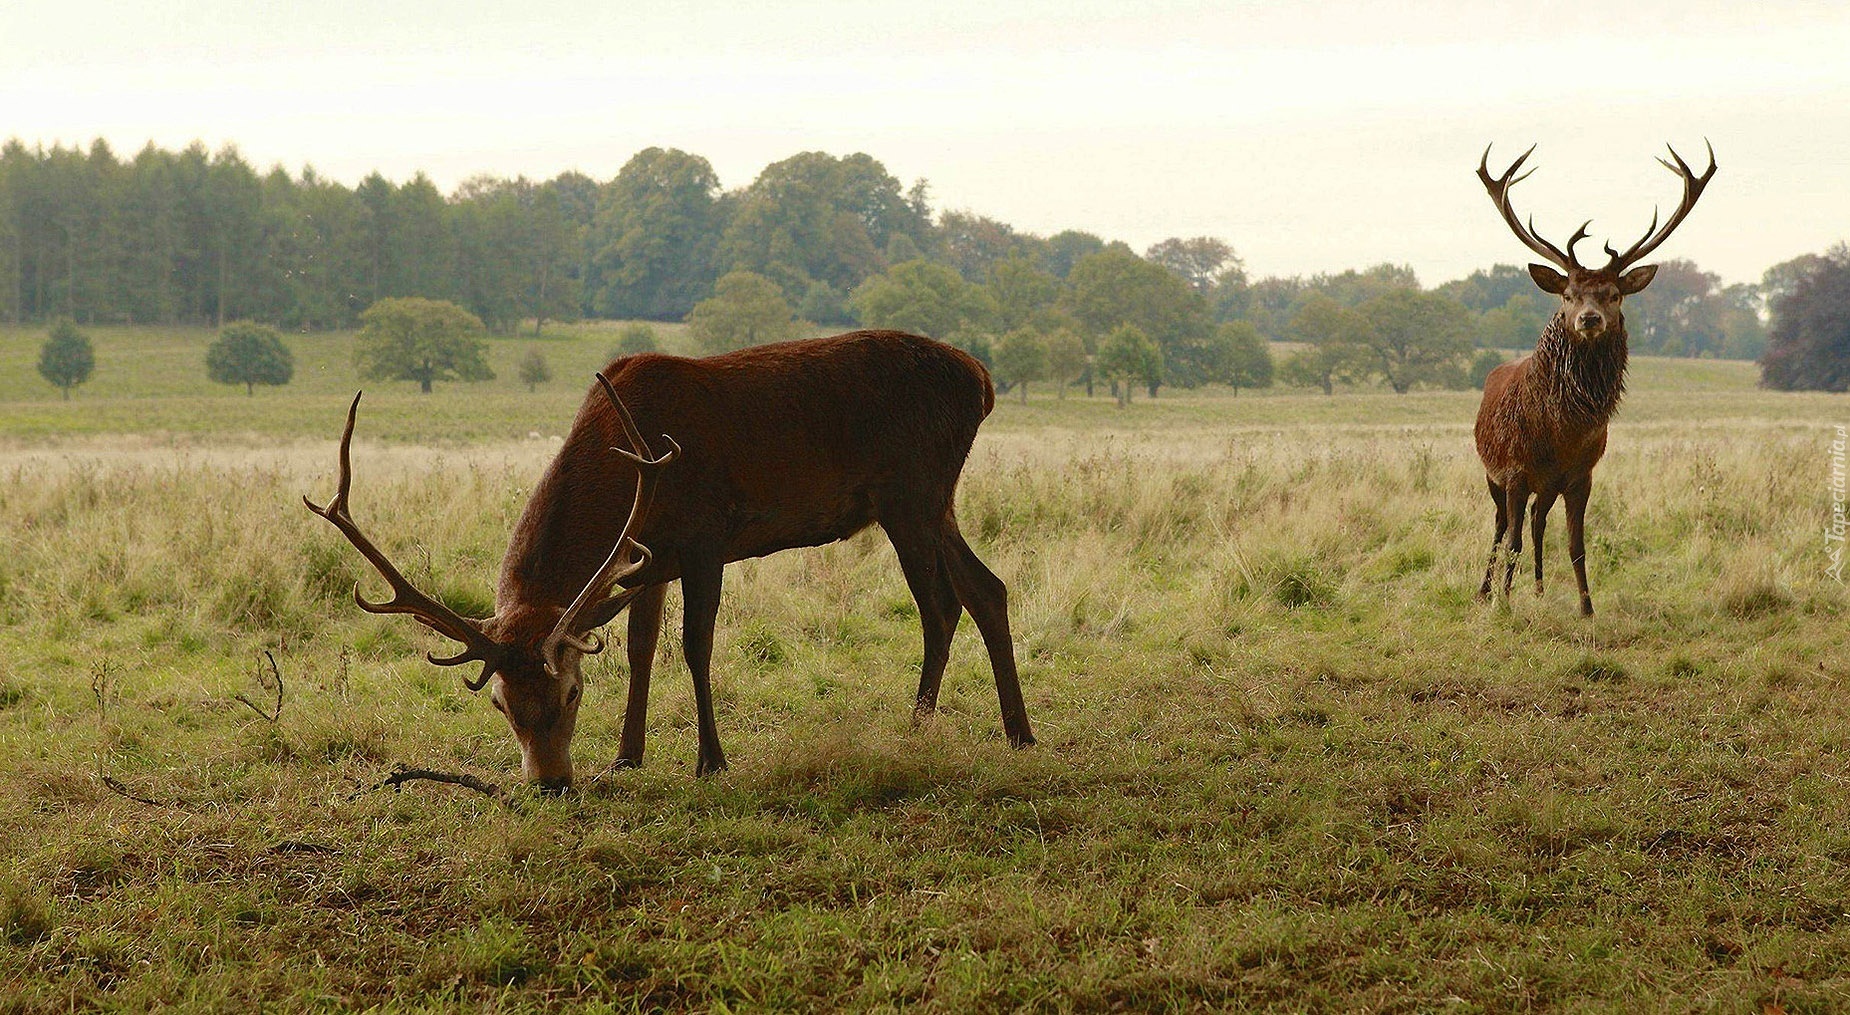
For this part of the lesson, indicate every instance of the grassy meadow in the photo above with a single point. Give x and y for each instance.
(1287, 763)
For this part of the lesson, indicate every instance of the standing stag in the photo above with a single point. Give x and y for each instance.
(1542, 425)
(779, 446)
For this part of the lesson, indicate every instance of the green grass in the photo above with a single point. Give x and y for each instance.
(1286, 762)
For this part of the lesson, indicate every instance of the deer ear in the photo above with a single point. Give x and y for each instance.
(1549, 280)
(1636, 279)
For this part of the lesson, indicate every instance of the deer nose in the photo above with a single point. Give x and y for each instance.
(1589, 321)
(554, 787)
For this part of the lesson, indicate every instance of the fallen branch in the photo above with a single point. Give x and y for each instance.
(276, 680)
(402, 774)
(116, 784)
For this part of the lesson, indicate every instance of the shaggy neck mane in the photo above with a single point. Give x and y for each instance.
(1576, 381)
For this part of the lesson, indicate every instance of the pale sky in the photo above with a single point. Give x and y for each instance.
(1310, 136)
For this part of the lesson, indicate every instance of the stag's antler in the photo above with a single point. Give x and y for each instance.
(1692, 189)
(626, 558)
(478, 647)
(1499, 188)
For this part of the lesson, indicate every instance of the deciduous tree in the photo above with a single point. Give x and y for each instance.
(1808, 346)
(1021, 357)
(922, 297)
(1333, 352)
(1115, 287)
(1415, 338)
(1242, 358)
(745, 309)
(249, 354)
(1128, 357)
(415, 339)
(1066, 358)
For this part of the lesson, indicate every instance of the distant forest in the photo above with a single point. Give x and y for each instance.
(197, 237)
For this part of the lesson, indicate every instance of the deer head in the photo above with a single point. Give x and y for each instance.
(533, 680)
(1590, 297)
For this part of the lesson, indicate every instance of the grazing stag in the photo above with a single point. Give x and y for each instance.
(1541, 427)
(779, 446)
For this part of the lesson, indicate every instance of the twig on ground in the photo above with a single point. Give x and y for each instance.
(116, 784)
(273, 681)
(402, 774)
(102, 686)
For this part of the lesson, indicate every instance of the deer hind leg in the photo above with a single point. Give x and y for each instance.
(1577, 539)
(700, 585)
(1538, 521)
(984, 595)
(645, 627)
(1515, 502)
(921, 557)
(1496, 542)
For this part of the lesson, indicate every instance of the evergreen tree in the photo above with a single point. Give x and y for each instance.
(66, 359)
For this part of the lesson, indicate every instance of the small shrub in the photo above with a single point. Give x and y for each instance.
(634, 340)
(534, 370)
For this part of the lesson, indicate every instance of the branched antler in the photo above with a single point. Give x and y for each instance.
(477, 645)
(1653, 237)
(1499, 188)
(626, 558)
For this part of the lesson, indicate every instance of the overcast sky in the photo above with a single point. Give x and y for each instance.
(1311, 136)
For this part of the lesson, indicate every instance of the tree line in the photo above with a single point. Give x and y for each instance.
(199, 237)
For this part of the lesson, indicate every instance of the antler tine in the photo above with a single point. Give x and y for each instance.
(405, 597)
(1579, 234)
(630, 433)
(615, 567)
(1654, 237)
(1499, 188)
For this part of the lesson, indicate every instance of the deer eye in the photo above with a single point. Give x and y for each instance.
(572, 695)
(499, 707)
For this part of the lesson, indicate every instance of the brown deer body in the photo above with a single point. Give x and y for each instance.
(1541, 427)
(773, 447)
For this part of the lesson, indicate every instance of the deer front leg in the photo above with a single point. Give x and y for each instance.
(1538, 521)
(645, 626)
(1515, 502)
(1577, 539)
(1496, 541)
